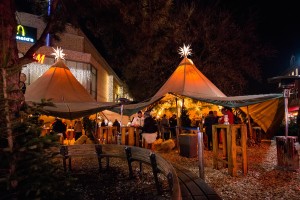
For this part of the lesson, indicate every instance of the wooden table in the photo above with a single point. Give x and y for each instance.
(229, 147)
(130, 135)
(107, 134)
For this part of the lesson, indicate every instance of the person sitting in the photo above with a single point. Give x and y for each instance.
(149, 130)
(78, 129)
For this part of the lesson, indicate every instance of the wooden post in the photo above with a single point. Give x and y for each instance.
(137, 137)
(200, 154)
(287, 156)
(215, 141)
(231, 145)
(123, 135)
(249, 124)
(177, 138)
(131, 136)
(224, 132)
(244, 148)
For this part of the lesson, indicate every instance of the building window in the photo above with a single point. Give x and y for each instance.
(93, 82)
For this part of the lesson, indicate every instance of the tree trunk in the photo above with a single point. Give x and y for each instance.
(11, 95)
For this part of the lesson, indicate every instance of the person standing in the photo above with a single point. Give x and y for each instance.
(117, 124)
(59, 127)
(173, 124)
(165, 127)
(138, 121)
(208, 122)
(78, 129)
(149, 130)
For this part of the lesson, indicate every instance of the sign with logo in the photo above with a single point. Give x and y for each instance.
(26, 34)
(39, 58)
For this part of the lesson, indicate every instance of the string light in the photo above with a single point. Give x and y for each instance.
(35, 70)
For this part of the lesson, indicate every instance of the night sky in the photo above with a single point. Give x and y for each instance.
(278, 24)
(279, 27)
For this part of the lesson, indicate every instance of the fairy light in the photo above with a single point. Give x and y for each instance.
(35, 70)
(185, 51)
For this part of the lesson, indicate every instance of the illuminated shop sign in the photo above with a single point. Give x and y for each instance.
(39, 58)
(26, 34)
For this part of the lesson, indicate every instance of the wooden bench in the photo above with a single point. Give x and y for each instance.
(193, 187)
(131, 154)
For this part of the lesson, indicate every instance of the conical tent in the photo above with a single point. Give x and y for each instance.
(70, 98)
(187, 80)
(58, 84)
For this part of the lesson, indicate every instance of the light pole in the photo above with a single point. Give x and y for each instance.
(287, 156)
(287, 83)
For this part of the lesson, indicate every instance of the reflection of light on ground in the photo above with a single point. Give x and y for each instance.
(270, 158)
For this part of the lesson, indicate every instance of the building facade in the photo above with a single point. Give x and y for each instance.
(83, 59)
(294, 99)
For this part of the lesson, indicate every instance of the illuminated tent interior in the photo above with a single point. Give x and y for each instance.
(70, 98)
(187, 81)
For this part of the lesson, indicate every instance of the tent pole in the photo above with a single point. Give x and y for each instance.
(178, 121)
(178, 125)
(104, 115)
(249, 124)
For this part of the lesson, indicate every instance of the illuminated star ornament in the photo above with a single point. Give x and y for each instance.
(58, 53)
(185, 50)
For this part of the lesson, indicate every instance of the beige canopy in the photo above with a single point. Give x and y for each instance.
(70, 98)
(188, 81)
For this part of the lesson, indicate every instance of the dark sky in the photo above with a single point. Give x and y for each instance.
(279, 27)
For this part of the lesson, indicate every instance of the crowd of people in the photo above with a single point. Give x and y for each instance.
(150, 128)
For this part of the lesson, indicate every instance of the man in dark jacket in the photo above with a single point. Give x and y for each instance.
(208, 122)
(149, 130)
(59, 127)
(173, 124)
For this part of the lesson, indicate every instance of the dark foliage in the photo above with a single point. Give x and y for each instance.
(140, 40)
(38, 172)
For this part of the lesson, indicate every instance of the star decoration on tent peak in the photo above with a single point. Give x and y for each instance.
(58, 53)
(185, 51)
